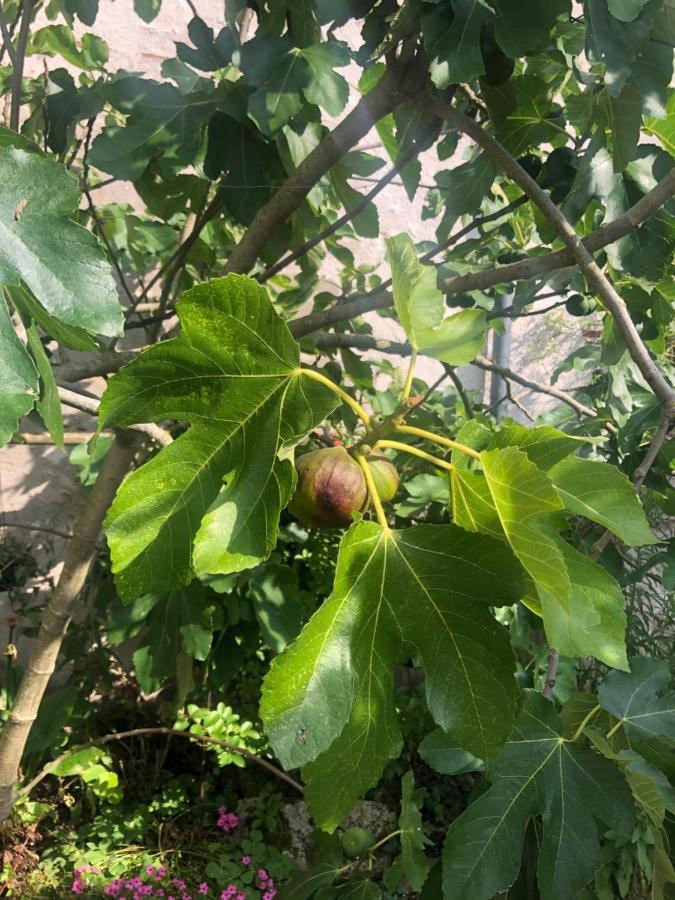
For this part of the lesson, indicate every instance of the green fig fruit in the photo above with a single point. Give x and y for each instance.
(385, 477)
(357, 842)
(578, 305)
(331, 486)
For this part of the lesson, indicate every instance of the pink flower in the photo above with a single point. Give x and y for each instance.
(269, 895)
(150, 870)
(161, 871)
(245, 860)
(179, 883)
(203, 888)
(77, 886)
(241, 896)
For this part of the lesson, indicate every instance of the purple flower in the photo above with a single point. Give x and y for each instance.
(245, 860)
(203, 888)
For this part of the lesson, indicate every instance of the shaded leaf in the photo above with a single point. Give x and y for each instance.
(641, 699)
(412, 863)
(442, 754)
(522, 28)
(161, 122)
(452, 40)
(537, 773)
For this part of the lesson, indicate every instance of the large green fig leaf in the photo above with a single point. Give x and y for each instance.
(603, 494)
(523, 497)
(515, 500)
(538, 773)
(328, 700)
(210, 502)
(641, 699)
(61, 262)
(420, 307)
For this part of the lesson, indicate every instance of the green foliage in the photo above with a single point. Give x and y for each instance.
(492, 553)
(392, 594)
(234, 354)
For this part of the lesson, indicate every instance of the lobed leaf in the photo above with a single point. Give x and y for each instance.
(328, 699)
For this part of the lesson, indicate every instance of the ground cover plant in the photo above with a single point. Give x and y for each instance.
(302, 575)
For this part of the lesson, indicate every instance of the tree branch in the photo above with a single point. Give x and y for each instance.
(580, 253)
(366, 342)
(93, 365)
(6, 38)
(171, 732)
(523, 270)
(416, 147)
(89, 405)
(378, 102)
(57, 614)
(551, 673)
(18, 63)
(580, 408)
(653, 450)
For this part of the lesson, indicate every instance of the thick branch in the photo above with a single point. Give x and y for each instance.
(93, 364)
(580, 253)
(373, 106)
(89, 405)
(57, 615)
(518, 271)
(18, 62)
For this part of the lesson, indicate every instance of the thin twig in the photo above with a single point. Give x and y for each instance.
(6, 38)
(170, 732)
(18, 63)
(580, 408)
(459, 387)
(27, 527)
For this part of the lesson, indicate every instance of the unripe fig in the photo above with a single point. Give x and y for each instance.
(357, 842)
(385, 477)
(578, 305)
(331, 486)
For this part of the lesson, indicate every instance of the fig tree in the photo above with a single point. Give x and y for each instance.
(331, 486)
(357, 842)
(385, 477)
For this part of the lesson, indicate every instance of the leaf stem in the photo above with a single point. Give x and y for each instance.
(406, 448)
(343, 395)
(387, 837)
(438, 439)
(584, 722)
(372, 492)
(407, 387)
(612, 731)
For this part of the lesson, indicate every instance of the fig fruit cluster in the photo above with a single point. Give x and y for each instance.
(332, 486)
